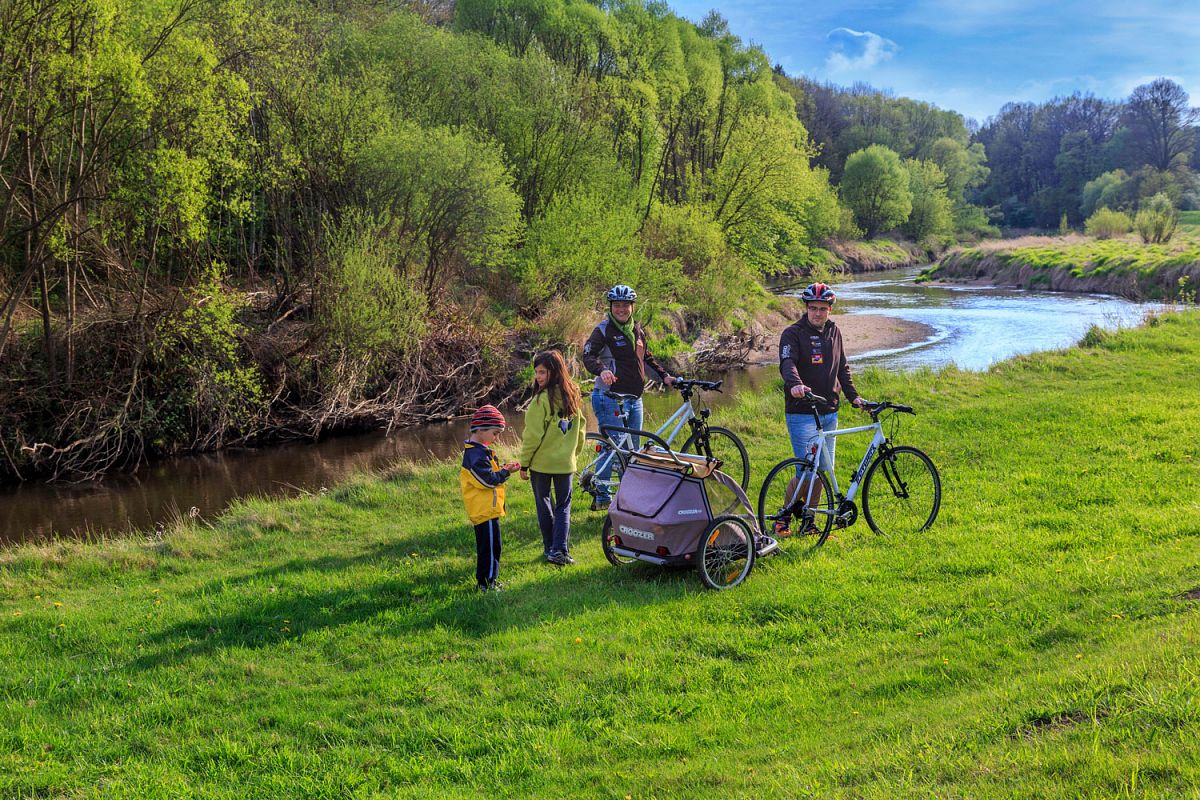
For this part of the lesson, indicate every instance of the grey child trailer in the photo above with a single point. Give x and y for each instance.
(679, 509)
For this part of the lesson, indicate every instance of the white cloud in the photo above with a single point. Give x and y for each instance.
(857, 50)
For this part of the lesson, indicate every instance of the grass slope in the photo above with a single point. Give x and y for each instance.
(1039, 642)
(1121, 266)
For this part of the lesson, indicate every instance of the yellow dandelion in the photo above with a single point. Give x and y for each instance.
(1078, 656)
(578, 640)
(17, 613)
(57, 604)
(62, 624)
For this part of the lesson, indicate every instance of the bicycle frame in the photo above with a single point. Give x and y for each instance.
(682, 415)
(877, 442)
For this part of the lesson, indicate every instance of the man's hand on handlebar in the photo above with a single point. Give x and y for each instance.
(668, 381)
(800, 391)
(608, 377)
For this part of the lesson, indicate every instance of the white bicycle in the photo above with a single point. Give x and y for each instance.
(901, 488)
(711, 441)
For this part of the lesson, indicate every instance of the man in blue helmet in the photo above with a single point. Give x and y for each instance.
(617, 353)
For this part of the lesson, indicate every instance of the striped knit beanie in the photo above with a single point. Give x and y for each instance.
(487, 417)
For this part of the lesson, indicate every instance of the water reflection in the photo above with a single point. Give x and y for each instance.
(209, 483)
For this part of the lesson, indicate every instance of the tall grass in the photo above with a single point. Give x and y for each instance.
(1040, 641)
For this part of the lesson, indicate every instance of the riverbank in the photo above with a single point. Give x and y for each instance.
(861, 333)
(1040, 641)
(876, 255)
(1075, 263)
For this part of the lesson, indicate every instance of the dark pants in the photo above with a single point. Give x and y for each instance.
(554, 514)
(487, 552)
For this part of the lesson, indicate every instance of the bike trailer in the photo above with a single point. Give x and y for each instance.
(679, 509)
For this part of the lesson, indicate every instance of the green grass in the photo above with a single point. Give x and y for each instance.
(1038, 642)
(1128, 265)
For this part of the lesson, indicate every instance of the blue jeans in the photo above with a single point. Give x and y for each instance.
(802, 430)
(606, 414)
(553, 513)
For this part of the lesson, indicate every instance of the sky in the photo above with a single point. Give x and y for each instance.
(973, 56)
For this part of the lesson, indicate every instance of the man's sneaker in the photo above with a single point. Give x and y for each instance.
(783, 528)
(600, 505)
(562, 559)
(483, 587)
(495, 586)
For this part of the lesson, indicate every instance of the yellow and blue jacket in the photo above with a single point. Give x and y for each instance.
(482, 482)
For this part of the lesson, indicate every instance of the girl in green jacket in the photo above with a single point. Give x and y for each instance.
(554, 435)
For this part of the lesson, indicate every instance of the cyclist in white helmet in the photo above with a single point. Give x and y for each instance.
(617, 353)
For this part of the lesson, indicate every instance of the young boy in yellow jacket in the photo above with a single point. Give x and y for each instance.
(482, 482)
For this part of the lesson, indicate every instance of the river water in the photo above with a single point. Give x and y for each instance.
(973, 327)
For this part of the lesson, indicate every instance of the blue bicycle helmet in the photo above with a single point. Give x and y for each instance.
(621, 294)
(818, 292)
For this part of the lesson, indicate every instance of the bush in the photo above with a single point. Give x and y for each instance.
(1157, 219)
(367, 308)
(1108, 224)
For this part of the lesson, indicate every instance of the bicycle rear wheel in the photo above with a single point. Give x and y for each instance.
(723, 444)
(588, 479)
(784, 511)
(902, 492)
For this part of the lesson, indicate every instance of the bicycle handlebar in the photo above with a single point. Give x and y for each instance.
(684, 384)
(875, 409)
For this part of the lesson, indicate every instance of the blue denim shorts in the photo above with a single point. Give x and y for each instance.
(803, 432)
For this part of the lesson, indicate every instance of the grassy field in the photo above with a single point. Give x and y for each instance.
(1041, 641)
(1075, 262)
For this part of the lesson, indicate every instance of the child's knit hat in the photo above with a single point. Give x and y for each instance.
(487, 417)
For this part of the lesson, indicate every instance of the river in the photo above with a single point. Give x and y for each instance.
(973, 327)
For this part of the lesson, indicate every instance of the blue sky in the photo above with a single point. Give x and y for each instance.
(973, 56)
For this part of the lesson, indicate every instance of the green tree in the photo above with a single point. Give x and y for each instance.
(875, 187)
(932, 212)
(448, 199)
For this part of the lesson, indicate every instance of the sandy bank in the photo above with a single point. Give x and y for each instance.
(861, 333)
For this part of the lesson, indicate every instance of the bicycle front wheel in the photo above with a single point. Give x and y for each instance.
(724, 445)
(784, 510)
(902, 492)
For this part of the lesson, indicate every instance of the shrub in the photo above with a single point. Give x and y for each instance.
(1157, 219)
(1108, 224)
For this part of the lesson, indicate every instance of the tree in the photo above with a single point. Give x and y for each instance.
(1161, 121)
(932, 212)
(875, 187)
